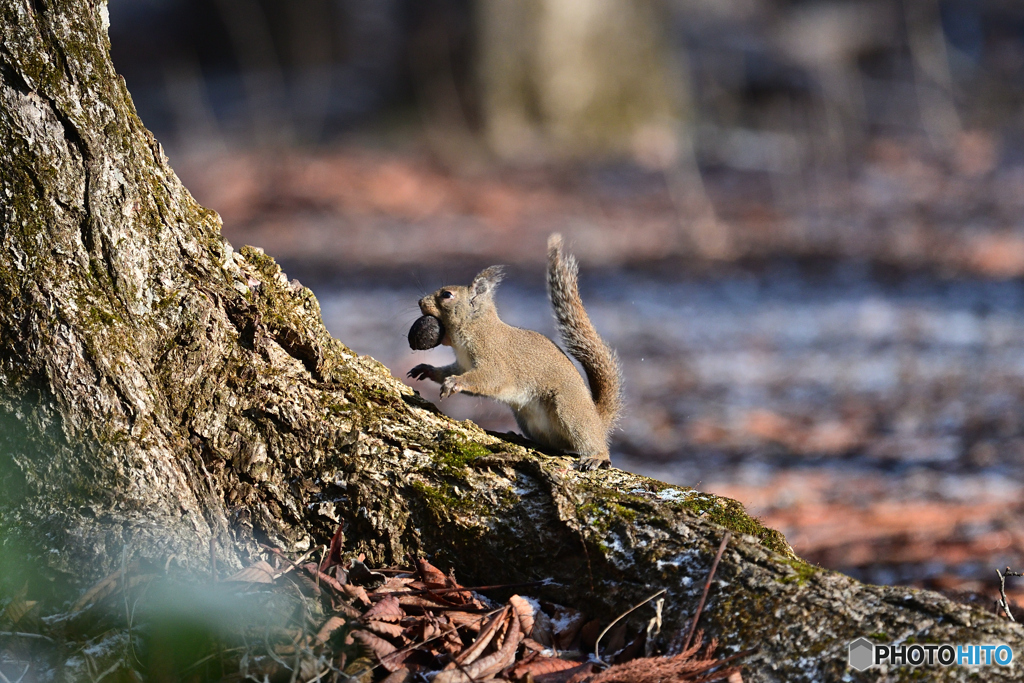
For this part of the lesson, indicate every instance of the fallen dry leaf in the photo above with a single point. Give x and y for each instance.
(578, 673)
(387, 609)
(420, 603)
(18, 607)
(102, 589)
(345, 609)
(357, 593)
(398, 676)
(467, 620)
(395, 584)
(542, 665)
(483, 639)
(333, 556)
(589, 634)
(329, 627)
(431, 575)
(525, 610)
(384, 628)
(489, 665)
(375, 644)
(532, 644)
(323, 578)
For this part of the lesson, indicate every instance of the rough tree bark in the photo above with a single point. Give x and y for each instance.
(161, 393)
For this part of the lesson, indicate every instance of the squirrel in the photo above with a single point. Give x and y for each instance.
(527, 371)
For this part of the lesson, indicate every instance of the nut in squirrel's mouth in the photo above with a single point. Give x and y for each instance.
(426, 333)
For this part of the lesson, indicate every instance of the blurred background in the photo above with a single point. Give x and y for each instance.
(800, 222)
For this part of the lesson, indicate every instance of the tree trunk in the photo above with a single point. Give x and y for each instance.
(574, 78)
(163, 397)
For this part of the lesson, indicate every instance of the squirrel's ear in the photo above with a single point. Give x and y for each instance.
(486, 282)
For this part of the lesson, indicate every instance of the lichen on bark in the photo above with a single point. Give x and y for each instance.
(163, 396)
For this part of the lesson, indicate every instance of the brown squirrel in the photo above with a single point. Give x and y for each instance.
(526, 370)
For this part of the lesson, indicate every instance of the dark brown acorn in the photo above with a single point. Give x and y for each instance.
(425, 333)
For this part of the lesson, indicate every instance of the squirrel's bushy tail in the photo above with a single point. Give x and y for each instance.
(579, 336)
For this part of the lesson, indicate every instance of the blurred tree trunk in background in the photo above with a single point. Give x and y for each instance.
(568, 78)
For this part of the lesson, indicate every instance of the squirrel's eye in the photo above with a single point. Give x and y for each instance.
(446, 295)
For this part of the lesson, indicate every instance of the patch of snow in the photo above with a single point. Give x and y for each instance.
(564, 620)
(676, 494)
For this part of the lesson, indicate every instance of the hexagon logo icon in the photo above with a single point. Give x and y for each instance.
(862, 654)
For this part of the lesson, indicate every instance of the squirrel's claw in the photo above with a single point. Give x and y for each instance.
(591, 464)
(421, 371)
(450, 386)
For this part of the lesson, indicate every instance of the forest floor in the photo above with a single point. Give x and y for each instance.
(844, 354)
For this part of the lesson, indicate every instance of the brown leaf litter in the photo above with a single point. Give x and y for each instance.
(339, 620)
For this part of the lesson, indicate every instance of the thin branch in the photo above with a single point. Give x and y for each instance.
(439, 591)
(294, 563)
(619, 618)
(323, 556)
(113, 667)
(23, 673)
(707, 587)
(210, 656)
(19, 634)
(1003, 603)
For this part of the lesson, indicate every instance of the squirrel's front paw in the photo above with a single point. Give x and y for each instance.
(590, 464)
(450, 386)
(422, 371)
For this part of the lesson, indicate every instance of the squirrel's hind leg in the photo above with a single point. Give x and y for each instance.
(586, 435)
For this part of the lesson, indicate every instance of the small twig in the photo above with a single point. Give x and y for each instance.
(1003, 603)
(392, 570)
(19, 634)
(113, 667)
(619, 618)
(294, 563)
(302, 637)
(730, 658)
(4, 679)
(323, 556)
(438, 607)
(441, 591)
(24, 673)
(707, 587)
(135, 605)
(327, 579)
(210, 656)
(320, 675)
(270, 649)
(124, 588)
